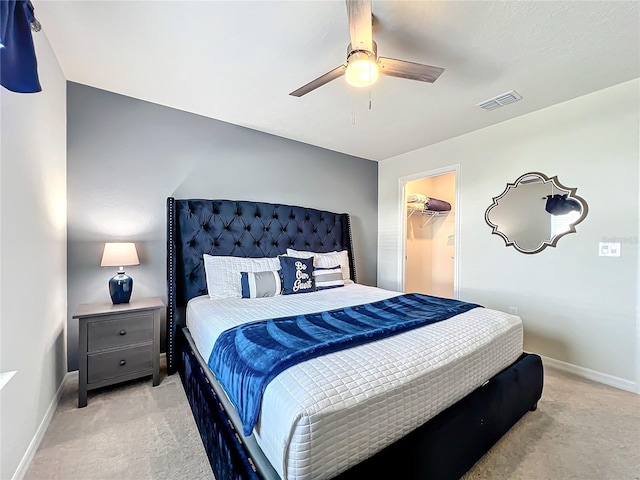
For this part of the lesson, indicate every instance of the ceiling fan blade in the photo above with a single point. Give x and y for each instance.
(359, 13)
(410, 70)
(320, 81)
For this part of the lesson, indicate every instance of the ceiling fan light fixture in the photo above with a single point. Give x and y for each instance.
(362, 70)
(363, 65)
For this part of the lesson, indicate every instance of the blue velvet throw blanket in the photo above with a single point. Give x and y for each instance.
(246, 358)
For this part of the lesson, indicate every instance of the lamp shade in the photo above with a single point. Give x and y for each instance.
(119, 254)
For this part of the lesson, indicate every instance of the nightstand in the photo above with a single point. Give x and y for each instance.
(118, 343)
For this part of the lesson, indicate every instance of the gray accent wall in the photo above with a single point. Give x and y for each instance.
(126, 156)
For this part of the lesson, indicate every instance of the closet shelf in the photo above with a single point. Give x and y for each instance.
(430, 214)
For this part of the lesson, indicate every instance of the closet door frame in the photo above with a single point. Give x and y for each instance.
(402, 216)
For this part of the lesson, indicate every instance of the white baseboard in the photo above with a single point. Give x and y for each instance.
(599, 377)
(23, 466)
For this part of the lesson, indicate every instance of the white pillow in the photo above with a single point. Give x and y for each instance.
(223, 273)
(327, 260)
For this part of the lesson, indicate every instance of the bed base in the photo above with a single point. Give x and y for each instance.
(227, 455)
(442, 449)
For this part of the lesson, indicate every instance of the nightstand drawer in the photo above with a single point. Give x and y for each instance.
(102, 366)
(126, 330)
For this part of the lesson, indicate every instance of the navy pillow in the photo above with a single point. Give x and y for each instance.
(297, 275)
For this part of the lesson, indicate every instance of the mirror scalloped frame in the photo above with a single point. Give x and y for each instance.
(556, 186)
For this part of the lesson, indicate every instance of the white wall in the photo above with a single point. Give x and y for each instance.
(33, 280)
(576, 307)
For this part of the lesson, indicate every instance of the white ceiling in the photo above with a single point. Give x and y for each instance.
(237, 61)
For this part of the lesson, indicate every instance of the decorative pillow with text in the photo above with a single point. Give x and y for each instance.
(297, 275)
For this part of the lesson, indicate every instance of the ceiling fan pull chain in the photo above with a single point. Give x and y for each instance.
(369, 98)
(353, 107)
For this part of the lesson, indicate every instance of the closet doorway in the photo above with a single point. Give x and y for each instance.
(429, 233)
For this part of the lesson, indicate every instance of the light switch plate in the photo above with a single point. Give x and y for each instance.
(609, 249)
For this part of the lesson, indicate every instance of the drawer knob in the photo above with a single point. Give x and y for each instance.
(123, 362)
(123, 332)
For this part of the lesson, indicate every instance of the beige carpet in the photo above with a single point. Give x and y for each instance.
(126, 432)
(581, 430)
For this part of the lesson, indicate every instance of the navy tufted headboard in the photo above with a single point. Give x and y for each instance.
(238, 229)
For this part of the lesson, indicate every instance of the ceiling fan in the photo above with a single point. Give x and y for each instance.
(363, 65)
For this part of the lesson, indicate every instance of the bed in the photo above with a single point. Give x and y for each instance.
(445, 446)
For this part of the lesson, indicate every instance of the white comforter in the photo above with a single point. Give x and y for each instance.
(324, 415)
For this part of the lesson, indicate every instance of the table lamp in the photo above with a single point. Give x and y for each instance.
(120, 254)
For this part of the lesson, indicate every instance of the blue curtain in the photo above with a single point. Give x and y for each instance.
(18, 65)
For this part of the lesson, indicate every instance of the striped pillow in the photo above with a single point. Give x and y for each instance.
(260, 284)
(328, 277)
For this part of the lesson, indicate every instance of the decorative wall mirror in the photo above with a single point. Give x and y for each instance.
(534, 212)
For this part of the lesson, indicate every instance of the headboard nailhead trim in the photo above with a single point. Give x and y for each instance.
(352, 259)
(171, 350)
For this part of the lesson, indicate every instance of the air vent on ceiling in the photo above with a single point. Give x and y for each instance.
(500, 100)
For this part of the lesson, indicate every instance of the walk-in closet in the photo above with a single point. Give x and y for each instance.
(430, 235)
